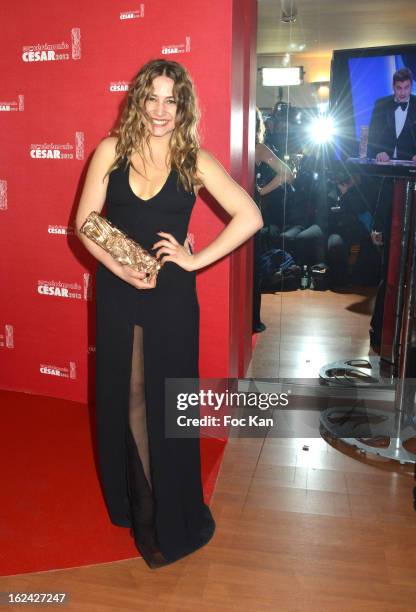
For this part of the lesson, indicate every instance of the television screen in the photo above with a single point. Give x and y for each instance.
(360, 77)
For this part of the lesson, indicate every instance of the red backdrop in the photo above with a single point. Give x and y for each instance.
(65, 71)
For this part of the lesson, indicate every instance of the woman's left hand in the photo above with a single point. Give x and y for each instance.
(173, 251)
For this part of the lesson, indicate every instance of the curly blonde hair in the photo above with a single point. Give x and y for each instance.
(260, 127)
(132, 134)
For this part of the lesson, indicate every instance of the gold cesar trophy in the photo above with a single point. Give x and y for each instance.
(122, 248)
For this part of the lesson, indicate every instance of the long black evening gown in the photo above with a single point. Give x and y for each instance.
(151, 483)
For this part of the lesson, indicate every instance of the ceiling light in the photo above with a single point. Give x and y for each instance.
(279, 77)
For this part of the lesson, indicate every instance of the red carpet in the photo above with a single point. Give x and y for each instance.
(53, 512)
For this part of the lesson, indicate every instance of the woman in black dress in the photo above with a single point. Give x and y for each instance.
(148, 176)
(271, 173)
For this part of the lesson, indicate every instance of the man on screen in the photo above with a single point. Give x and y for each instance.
(392, 130)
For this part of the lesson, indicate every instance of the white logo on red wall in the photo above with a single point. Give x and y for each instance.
(91, 349)
(70, 291)
(6, 339)
(119, 86)
(137, 14)
(87, 286)
(62, 230)
(54, 52)
(51, 150)
(3, 194)
(76, 43)
(181, 48)
(13, 105)
(61, 372)
(59, 289)
(79, 145)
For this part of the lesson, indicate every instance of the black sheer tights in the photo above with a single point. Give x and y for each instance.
(138, 462)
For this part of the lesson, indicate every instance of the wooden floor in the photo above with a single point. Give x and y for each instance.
(301, 526)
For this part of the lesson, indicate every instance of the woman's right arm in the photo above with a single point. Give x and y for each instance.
(283, 173)
(93, 198)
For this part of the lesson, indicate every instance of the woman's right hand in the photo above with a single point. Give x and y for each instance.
(137, 279)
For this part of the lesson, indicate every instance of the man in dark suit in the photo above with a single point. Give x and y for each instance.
(391, 135)
(392, 130)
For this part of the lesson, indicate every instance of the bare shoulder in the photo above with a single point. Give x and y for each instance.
(206, 162)
(204, 157)
(106, 148)
(103, 158)
(221, 185)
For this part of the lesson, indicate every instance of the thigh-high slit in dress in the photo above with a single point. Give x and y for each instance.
(151, 482)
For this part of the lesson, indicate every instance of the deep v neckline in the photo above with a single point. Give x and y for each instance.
(153, 196)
